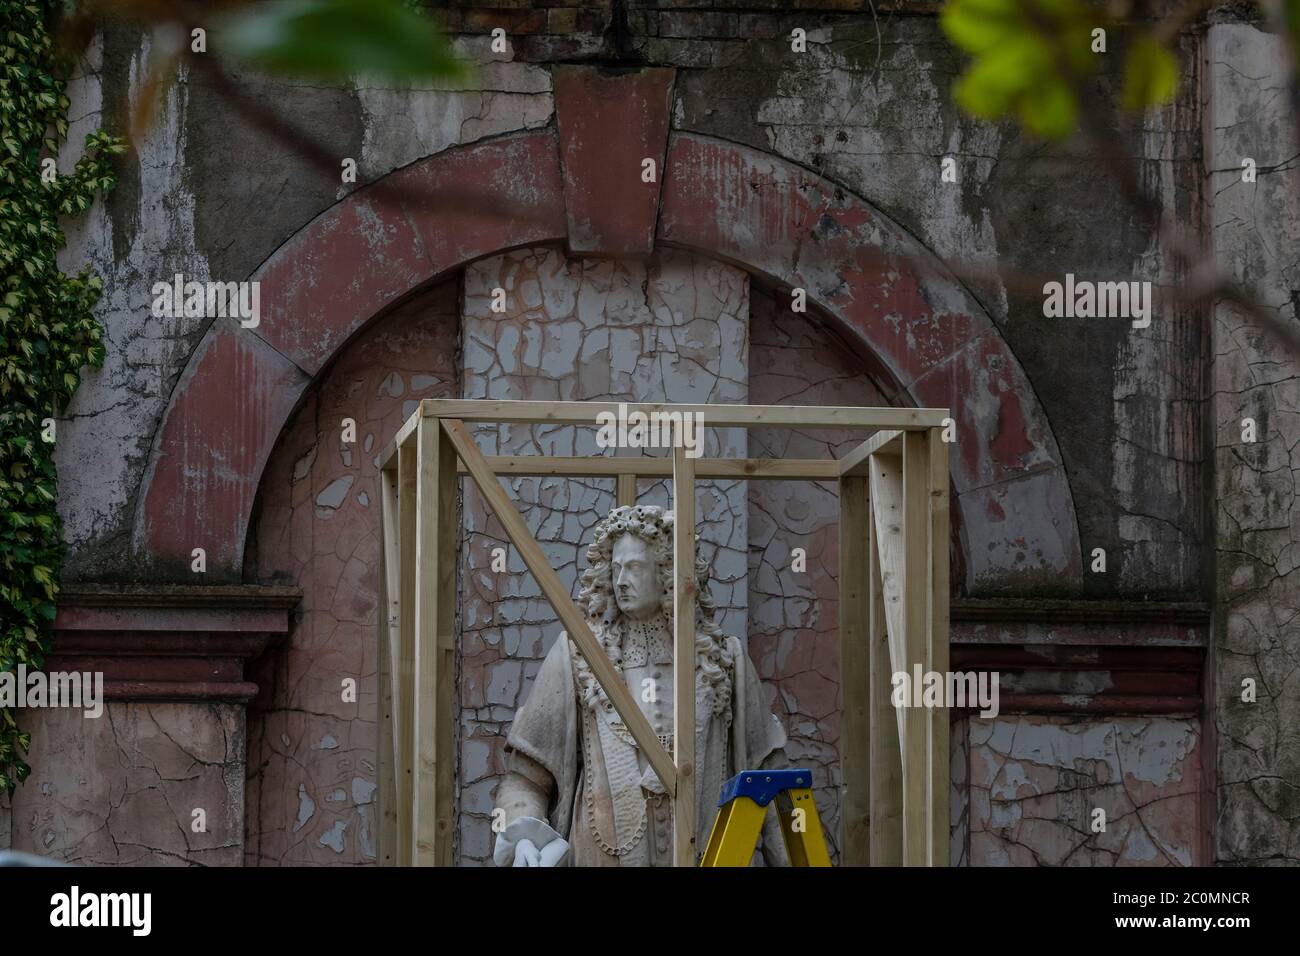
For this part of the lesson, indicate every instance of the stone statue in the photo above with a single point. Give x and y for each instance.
(578, 790)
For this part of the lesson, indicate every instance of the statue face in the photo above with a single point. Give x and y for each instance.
(634, 574)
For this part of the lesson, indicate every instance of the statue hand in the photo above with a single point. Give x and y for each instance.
(527, 854)
(529, 841)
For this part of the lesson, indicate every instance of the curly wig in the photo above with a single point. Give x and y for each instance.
(654, 525)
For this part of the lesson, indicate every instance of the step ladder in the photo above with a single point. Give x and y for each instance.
(742, 807)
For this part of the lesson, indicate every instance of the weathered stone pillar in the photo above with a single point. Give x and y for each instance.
(122, 788)
(1255, 377)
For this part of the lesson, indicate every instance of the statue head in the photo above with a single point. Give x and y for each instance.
(630, 571)
(634, 576)
(630, 577)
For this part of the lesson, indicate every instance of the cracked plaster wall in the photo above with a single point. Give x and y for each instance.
(1043, 773)
(674, 328)
(1123, 407)
(877, 118)
(1035, 781)
(120, 790)
(311, 758)
(1256, 235)
(311, 770)
(876, 114)
(204, 194)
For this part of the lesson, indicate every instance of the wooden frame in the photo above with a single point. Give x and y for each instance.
(893, 610)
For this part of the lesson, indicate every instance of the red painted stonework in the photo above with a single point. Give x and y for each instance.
(929, 337)
(225, 415)
(919, 330)
(802, 231)
(344, 268)
(169, 644)
(609, 124)
(472, 202)
(987, 393)
(334, 276)
(432, 217)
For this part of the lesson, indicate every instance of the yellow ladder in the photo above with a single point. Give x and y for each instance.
(741, 810)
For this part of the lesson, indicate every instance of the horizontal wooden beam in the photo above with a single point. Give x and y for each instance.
(856, 463)
(714, 416)
(575, 624)
(760, 469)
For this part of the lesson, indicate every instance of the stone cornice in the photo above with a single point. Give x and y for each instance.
(1068, 611)
(1086, 657)
(169, 642)
(179, 595)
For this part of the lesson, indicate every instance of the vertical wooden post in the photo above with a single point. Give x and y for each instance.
(894, 602)
(448, 545)
(855, 671)
(626, 490)
(684, 809)
(937, 631)
(916, 599)
(886, 751)
(435, 604)
(407, 658)
(389, 748)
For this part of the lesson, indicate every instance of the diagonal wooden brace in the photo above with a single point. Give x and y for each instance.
(572, 619)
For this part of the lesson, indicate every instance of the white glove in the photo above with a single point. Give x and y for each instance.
(528, 841)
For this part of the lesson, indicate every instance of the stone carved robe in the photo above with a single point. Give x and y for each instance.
(603, 796)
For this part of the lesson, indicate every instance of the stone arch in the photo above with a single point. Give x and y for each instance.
(930, 338)
(759, 211)
(341, 270)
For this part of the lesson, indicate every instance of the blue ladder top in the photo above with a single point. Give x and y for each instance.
(762, 786)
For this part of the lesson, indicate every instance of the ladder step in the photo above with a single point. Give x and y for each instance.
(762, 786)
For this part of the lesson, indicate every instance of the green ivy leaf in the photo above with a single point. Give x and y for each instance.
(48, 334)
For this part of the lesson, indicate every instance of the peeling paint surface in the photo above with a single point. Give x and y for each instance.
(319, 528)
(1258, 530)
(1035, 784)
(106, 433)
(403, 125)
(1073, 435)
(120, 790)
(675, 328)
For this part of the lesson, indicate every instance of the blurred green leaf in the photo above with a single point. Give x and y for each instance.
(1025, 52)
(1291, 17)
(335, 39)
(1000, 78)
(1150, 75)
(978, 25)
(1048, 109)
(1029, 55)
